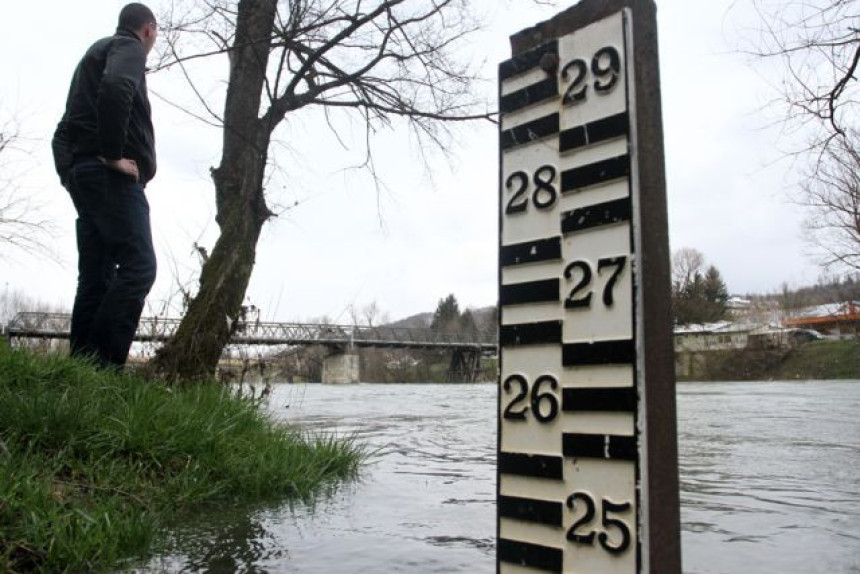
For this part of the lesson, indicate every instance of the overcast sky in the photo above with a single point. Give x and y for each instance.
(342, 242)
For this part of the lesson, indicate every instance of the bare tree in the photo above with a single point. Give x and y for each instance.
(23, 226)
(699, 295)
(831, 192)
(686, 264)
(370, 315)
(818, 45)
(380, 59)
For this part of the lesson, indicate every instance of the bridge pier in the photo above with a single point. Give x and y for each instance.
(465, 366)
(341, 367)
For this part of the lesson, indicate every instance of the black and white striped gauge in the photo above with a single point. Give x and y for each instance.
(572, 453)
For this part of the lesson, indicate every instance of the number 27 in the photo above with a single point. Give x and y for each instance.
(579, 298)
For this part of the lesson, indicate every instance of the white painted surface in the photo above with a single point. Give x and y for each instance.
(613, 480)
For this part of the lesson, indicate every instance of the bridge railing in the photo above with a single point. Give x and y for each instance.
(58, 325)
(39, 323)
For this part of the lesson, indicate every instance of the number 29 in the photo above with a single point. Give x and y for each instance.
(605, 67)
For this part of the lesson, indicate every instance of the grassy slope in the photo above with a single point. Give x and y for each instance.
(822, 360)
(92, 464)
(814, 360)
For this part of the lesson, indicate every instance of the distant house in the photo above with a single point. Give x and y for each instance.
(774, 338)
(727, 336)
(693, 343)
(833, 319)
(737, 304)
(722, 336)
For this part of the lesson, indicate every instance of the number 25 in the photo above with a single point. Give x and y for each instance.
(577, 536)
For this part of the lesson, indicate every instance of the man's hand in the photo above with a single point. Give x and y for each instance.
(124, 165)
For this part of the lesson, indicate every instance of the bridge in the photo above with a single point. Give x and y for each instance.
(466, 348)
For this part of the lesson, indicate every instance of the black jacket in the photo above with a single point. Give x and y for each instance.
(107, 110)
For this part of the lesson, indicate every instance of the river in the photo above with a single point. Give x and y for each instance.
(770, 482)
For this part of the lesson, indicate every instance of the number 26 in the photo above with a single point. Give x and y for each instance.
(540, 395)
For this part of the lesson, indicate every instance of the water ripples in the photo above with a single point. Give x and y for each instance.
(770, 482)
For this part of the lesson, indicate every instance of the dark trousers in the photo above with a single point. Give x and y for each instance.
(116, 261)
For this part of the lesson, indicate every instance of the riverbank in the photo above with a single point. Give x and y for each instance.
(93, 465)
(816, 360)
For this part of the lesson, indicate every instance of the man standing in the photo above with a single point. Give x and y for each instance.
(104, 151)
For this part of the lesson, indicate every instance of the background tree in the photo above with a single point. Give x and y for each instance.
(698, 295)
(686, 263)
(831, 192)
(468, 326)
(23, 227)
(369, 315)
(716, 294)
(791, 301)
(817, 44)
(447, 315)
(379, 59)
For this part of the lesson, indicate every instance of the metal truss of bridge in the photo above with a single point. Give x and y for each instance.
(156, 329)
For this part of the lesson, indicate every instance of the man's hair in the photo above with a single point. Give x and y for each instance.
(134, 16)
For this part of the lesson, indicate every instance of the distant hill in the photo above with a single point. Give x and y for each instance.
(485, 319)
(419, 321)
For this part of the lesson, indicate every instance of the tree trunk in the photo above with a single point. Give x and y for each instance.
(212, 315)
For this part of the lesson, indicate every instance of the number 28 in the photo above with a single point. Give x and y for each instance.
(544, 195)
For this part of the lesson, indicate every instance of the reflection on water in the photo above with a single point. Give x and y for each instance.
(223, 540)
(770, 476)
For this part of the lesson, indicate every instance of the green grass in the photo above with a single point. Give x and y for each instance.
(93, 464)
(822, 360)
(817, 360)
